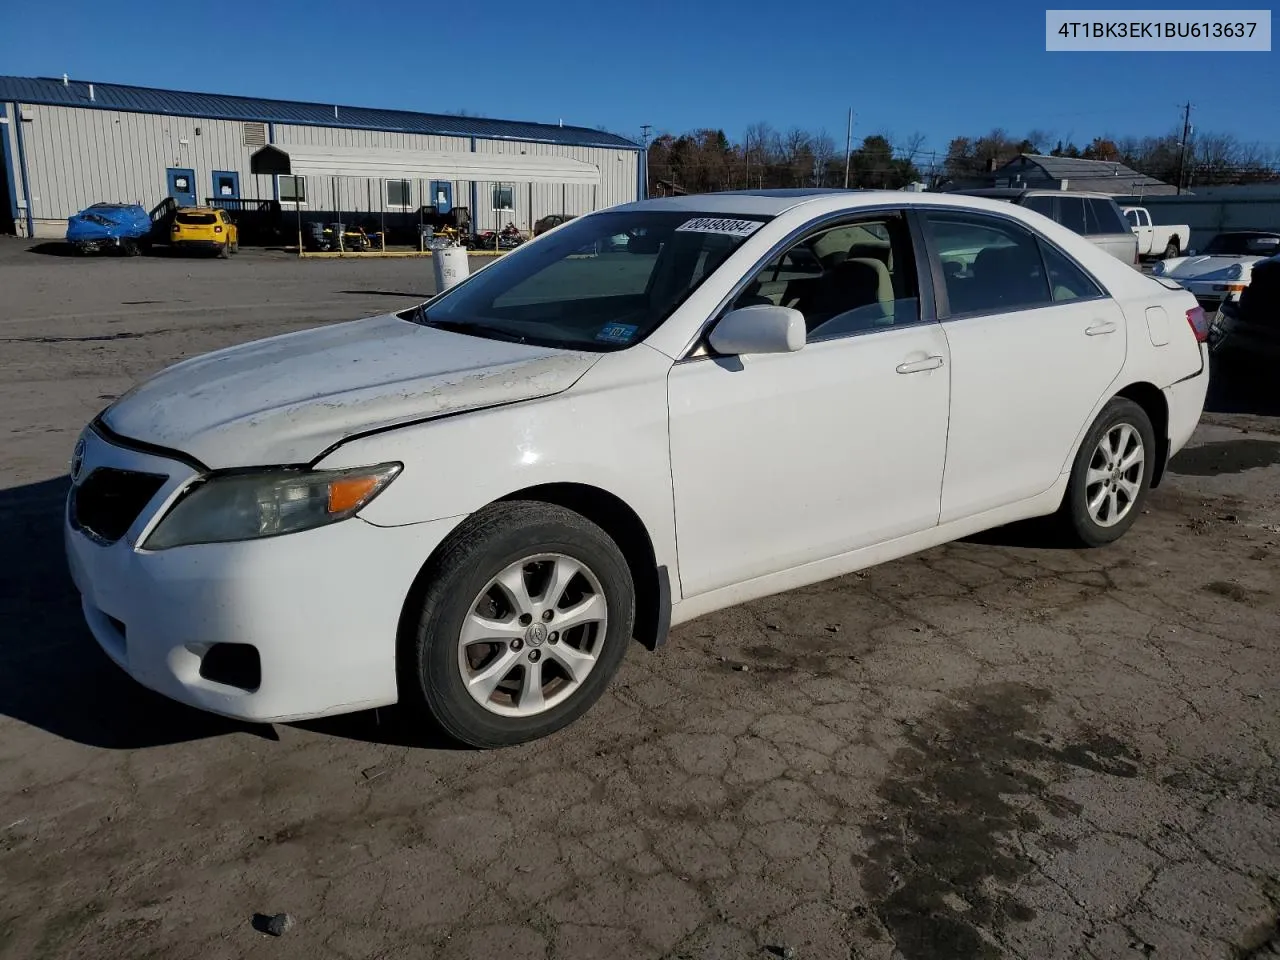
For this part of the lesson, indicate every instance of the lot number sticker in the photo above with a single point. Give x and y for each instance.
(729, 228)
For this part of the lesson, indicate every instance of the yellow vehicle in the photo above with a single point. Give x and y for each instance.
(204, 228)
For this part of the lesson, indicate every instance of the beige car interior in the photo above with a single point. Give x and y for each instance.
(842, 280)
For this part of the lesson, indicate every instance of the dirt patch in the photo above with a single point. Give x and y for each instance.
(943, 869)
(1233, 591)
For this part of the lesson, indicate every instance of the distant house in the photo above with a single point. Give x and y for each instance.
(1072, 173)
(1034, 170)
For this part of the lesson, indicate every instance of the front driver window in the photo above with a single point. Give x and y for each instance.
(852, 278)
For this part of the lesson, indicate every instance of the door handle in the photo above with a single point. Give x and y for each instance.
(920, 366)
(1101, 327)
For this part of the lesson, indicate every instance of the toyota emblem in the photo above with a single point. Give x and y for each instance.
(77, 460)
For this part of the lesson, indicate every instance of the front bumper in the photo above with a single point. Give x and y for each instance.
(322, 607)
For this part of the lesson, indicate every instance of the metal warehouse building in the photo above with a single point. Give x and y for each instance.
(68, 144)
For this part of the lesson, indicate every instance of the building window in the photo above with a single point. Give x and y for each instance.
(398, 194)
(293, 189)
(504, 196)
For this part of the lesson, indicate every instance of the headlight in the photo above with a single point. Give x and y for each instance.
(1158, 269)
(1235, 271)
(246, 506)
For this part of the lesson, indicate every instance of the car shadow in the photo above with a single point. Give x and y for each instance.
(53, 249)
(52, 673)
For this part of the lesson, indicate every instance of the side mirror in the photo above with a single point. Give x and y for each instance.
(762, 328)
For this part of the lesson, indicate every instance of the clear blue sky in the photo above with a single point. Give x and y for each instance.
(937, 67)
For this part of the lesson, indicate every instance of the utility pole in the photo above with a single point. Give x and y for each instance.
(644, 131)
(1186, 135)
(848, 147)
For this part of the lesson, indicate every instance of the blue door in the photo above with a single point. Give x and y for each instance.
(442, 195)
(226, 185)
(182, 186)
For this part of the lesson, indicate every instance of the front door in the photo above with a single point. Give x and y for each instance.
(442, 195)
(182, 185)
(226, 185)
(784, 459)
(1035, 345)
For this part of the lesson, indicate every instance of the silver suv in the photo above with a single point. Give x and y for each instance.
(1095, 216)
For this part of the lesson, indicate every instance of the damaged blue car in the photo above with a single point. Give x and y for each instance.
(123, 228)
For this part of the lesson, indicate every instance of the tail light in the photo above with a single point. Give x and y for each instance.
(1199, 323)
(177, 228)
(217, 229)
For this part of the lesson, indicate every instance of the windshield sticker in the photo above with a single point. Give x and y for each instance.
(729, 228)
(617, 332)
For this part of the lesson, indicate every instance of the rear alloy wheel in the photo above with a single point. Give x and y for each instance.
(526, 617)
(1111, 475)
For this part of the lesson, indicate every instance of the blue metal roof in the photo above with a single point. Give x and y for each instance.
(217, 106)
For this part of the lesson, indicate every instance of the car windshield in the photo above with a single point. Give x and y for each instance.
(599, 282)
(1243, 245)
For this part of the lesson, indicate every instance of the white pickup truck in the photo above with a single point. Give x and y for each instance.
(1161, 242)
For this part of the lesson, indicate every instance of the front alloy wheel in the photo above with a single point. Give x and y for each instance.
(525, 614)
(532, 636)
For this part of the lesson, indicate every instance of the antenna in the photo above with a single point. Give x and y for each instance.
(644, 131)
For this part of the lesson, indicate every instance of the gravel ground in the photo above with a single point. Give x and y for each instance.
(988, 750)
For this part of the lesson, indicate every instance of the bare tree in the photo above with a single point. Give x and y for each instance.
(823, 148)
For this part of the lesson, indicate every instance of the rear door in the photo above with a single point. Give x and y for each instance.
(1035, 343)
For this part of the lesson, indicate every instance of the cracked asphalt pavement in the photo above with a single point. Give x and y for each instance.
(994, 749)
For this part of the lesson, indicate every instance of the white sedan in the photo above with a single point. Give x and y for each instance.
(1220, 271)
(472, 507)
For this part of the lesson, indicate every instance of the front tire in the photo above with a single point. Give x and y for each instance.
(526, 616)
(1111, 475)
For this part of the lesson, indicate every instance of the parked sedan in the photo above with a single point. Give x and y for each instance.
(1222, 269)
(473, 506)
(1250, 326)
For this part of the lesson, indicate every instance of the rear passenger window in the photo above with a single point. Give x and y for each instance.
(1104, 216)
(1071, 214)
(1040, 204)
(989, 265)
(1066, 280)
(853, 278)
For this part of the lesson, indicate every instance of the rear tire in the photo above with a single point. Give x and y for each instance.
(537, 545)
(224, 251)
(1111, 475)
(1171, 249)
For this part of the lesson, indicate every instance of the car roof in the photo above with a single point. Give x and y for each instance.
(199, 210)
(771, 203)
(1029, 191)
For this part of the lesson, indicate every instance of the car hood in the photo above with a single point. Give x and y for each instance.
(286, 399)
(1188, 268)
